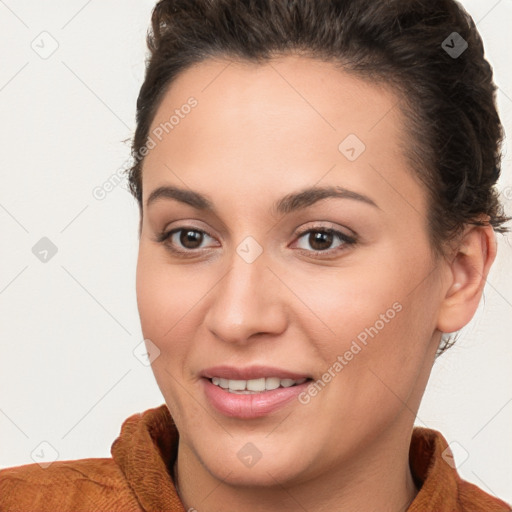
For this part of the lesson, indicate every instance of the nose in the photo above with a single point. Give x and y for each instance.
(248, 301)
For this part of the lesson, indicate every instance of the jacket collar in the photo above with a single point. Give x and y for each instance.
(433, 469)
(145, 451)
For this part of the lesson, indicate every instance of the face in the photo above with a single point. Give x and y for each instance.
(340, 290)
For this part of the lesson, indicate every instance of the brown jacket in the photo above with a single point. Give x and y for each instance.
(138, 478)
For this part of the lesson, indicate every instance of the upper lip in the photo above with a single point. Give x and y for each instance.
(250, 372)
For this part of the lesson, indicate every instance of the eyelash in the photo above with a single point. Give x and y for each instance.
(347, 240)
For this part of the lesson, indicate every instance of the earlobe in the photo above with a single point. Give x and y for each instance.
(468, 272)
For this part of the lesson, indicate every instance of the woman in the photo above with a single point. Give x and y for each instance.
(316, 183)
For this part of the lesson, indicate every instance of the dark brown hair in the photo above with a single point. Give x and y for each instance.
(448, 100)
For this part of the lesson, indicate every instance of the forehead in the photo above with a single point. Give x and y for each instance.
(276, 94)
(286, 122)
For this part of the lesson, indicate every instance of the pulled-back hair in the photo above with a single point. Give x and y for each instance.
(448, 99)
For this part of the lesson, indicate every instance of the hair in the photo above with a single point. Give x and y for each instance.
(448, 101)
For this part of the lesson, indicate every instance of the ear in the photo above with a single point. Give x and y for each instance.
(468, 272)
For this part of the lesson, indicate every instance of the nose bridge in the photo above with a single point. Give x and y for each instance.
(245, 301)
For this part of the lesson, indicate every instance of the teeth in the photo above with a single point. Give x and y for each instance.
(236, 385)
(272, 383)
(255, 385)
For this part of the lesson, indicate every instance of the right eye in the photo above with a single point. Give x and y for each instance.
(190, 239)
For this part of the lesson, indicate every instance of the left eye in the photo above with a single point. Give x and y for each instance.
(323, 238)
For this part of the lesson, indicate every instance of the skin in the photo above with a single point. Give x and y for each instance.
(260, 132)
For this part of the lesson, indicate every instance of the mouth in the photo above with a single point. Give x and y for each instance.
(252, 373)
(252, 392)
(254, 386)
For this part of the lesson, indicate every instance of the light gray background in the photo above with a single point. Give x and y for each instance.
(68, 376)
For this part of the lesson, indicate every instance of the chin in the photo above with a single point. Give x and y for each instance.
(263, 474)
(243, 464)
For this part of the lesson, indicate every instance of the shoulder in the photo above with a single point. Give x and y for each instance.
(440, 485)
(80, 485)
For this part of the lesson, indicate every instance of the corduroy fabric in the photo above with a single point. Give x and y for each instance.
(138, 476)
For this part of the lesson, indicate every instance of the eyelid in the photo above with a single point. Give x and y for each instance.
(329, 226)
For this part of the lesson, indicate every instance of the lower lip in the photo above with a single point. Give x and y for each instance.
(250, 405)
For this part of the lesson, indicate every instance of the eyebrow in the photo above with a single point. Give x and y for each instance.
(285, 205)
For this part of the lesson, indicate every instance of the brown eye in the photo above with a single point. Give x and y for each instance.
(183, 240)
(190, 239)
(321, 239)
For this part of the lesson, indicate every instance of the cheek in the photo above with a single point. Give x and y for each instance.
(381, 350)
(165, 299)
(350, 302)
(380, 314)
(163, 309)
(165, 294)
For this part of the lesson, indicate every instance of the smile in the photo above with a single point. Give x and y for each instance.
(255, 385)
